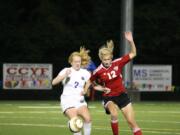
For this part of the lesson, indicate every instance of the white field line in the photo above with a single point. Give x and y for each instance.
(8, 104)
(27, 105)
(34, 125)
(93, 107)
(150, 130)
(157, 121)
(158, 129)
(57, 118)
(12, 117)
(29, 112)
(46, 107)
(98, 111)
(38, 107)
(164, 112)
(159, 104)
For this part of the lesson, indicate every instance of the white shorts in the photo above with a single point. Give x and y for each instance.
(72, 101)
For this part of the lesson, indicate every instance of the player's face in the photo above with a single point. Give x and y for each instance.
(107, 60)
(76, 62)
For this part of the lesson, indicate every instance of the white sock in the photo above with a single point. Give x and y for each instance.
(136, 129)
(87, 128)
(79, 133)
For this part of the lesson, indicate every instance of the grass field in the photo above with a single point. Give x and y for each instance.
(45, 118)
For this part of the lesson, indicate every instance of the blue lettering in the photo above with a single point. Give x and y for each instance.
(140, 73)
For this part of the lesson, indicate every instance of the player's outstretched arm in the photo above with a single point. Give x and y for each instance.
(59, 78)
(129, 38)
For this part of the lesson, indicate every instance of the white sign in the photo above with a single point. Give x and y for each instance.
(152, 77)
(27, 76)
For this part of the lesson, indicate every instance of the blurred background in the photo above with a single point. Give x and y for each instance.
(36, 38)
(40, 34)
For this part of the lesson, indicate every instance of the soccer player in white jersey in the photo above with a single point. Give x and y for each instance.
(74, 80)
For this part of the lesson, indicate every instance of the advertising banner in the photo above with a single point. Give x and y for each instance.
(152, 77)
(27, 76)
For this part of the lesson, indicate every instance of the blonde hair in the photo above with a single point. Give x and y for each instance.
(85, 58)
(106, 49)
(70, 59)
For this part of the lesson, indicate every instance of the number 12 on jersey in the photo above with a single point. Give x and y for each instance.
(112, 75)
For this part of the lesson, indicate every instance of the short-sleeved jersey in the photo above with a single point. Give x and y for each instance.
(74, 83)
(111, 77)
(91, 66)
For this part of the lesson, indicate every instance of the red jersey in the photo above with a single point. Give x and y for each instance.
(111, 77)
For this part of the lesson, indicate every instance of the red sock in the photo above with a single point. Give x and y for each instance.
(114, 126)
(138, 132)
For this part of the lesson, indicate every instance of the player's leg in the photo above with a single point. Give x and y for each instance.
(69, 108)
(129, 116)
(70, 113)
(83, 111)
(113, 110)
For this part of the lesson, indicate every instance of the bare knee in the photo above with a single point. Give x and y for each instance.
(70, 113)
(113, 111)
(87, 119)
(132, 123)
(84, 113)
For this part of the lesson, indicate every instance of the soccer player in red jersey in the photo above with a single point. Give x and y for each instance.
(111, 82)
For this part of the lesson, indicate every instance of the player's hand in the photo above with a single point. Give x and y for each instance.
(68, 71)
(128, 36)
(83, 93)
(106, 90)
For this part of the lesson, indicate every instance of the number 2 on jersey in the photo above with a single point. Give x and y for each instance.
(112, 74)
(76, 84)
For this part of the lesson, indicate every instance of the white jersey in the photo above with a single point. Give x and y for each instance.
(74, 83)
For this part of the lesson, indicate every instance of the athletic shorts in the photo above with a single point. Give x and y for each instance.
(72, 101)
(121, 101)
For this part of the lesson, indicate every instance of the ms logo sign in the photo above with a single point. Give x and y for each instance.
(152, 77)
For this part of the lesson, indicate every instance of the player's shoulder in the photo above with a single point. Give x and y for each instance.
(63, 69)
(99, 68)
(85, 72)
(121, 59)
(117, 60)
(82, 70)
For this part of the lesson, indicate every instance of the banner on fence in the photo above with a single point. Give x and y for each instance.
(152, 77)
(27, 76)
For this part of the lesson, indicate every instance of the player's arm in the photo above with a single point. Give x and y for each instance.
(86, 87)
(96, 87)
(129, 38)
(102, 88)
(59, 78)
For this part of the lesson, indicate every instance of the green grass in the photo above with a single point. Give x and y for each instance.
(45, 118)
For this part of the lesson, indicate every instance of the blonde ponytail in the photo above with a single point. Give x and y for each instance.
(85, 58)
(106, 49)
(110, 45)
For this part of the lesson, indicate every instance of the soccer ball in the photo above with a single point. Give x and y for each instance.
(75, 124)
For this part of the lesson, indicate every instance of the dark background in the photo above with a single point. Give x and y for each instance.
(47, 31)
